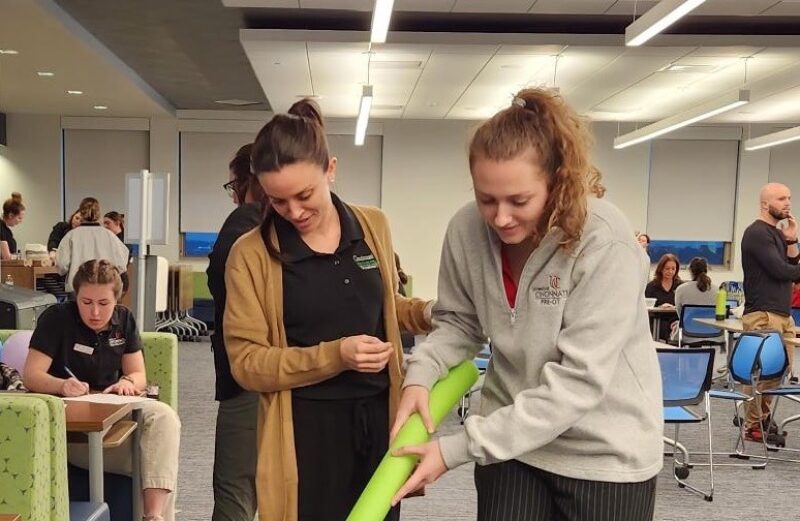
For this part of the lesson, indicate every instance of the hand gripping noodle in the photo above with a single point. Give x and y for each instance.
(392, 472)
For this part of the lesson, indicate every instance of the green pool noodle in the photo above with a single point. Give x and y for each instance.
(392, 472)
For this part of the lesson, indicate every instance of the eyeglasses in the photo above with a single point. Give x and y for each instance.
(228, 187)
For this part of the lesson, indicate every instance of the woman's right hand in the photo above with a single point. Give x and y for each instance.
(365, 354)
(414, 399)
(73, 387)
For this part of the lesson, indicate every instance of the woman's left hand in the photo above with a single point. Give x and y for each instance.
(430, 467)
(123, 387)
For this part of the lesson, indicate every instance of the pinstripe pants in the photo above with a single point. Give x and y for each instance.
(514, 490)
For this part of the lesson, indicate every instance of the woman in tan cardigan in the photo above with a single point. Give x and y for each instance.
(312, 322)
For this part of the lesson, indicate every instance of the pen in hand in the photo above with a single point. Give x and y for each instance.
(82, 384)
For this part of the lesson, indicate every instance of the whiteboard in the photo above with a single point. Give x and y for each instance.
(159, 208)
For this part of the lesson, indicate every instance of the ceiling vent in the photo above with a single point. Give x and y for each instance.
(688, 67)
(395, 64)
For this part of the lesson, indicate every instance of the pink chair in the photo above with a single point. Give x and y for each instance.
(15, 350)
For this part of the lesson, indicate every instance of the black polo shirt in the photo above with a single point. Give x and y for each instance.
(95, 358)
(330, 296)
(7, 235)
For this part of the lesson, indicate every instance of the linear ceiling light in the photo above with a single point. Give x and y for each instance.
(380, 20)
(774, 139)
(363, 114)
(684, 119)
(658, 18)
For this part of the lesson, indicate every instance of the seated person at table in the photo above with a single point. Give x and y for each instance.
(699, 291)
(98, 342)
(662, 288)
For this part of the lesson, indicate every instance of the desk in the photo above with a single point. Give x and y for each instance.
(25, 276)
(10, 517)
(735, 325)
(656, 314)
(94, 419)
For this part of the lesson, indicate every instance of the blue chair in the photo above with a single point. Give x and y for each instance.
(702, 335)
(686, 380)
(755, 356)
(481, 361)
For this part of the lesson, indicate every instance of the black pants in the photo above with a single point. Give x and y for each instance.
(514, 490)
(339, 444)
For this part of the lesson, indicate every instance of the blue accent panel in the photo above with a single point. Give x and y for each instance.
(685, 374)
(198, 244)
(783, 391)
(713, 251)
(796, 316)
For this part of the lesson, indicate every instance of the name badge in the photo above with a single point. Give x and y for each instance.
(83, 349)
(366, 262)
(113, 342)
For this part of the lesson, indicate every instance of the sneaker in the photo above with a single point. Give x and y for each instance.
(766, 423)
(754, 434)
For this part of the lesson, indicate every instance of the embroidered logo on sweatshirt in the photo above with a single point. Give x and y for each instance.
(366, 262)
(552, 294)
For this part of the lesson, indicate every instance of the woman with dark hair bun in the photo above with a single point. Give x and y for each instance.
(699, 291)
(13, 213)
(312, 323)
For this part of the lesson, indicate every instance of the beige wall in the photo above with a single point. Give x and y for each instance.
(31, 165)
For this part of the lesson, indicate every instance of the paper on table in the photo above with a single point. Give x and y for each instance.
(115, 399)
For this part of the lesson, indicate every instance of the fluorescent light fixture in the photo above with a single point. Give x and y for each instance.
(100, 107)
(684, 119)
(658, 18)
(45, 74)
(8, 51)
(75, 92)
(380, 20)
(774, 139)
(363, 114)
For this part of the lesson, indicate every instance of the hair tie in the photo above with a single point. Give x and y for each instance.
(519, 102)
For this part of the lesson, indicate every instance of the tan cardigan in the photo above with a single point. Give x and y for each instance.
(261, 361)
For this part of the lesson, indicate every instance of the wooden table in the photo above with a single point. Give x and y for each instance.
(25, 276)
(94, 419)
(10, 517)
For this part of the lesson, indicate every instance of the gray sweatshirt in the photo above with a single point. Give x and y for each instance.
(88, 242)
(573, 386)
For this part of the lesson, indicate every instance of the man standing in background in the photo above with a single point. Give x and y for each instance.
(770, 263)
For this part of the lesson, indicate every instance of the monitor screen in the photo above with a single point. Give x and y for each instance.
(198, 244)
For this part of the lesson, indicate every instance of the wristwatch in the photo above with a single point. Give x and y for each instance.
(128, 378)
(789, 242)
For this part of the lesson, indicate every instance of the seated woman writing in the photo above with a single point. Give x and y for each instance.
(92, 345)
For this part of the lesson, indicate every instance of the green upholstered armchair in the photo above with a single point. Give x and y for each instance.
(33, 465)
(161, 362)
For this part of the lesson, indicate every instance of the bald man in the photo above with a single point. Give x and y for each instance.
(770, 263)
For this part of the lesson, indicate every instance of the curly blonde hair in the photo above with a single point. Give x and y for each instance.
(541, 124)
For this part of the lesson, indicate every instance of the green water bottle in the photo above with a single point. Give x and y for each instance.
(722, 301)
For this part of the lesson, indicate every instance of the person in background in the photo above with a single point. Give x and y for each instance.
(235, 444)
(60, 229)
(644, 241)
(312, 322)
(699, 291)
(570, 425)
(13, 213)
(97, 341)
(770, 260)
(662, 288)
(89, 241)
(115, 223)
(796, 294)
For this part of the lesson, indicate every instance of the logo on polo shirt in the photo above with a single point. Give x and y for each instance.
(113, 342)
(365, 262)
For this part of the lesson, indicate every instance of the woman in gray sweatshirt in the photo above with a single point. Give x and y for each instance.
(570, 424)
